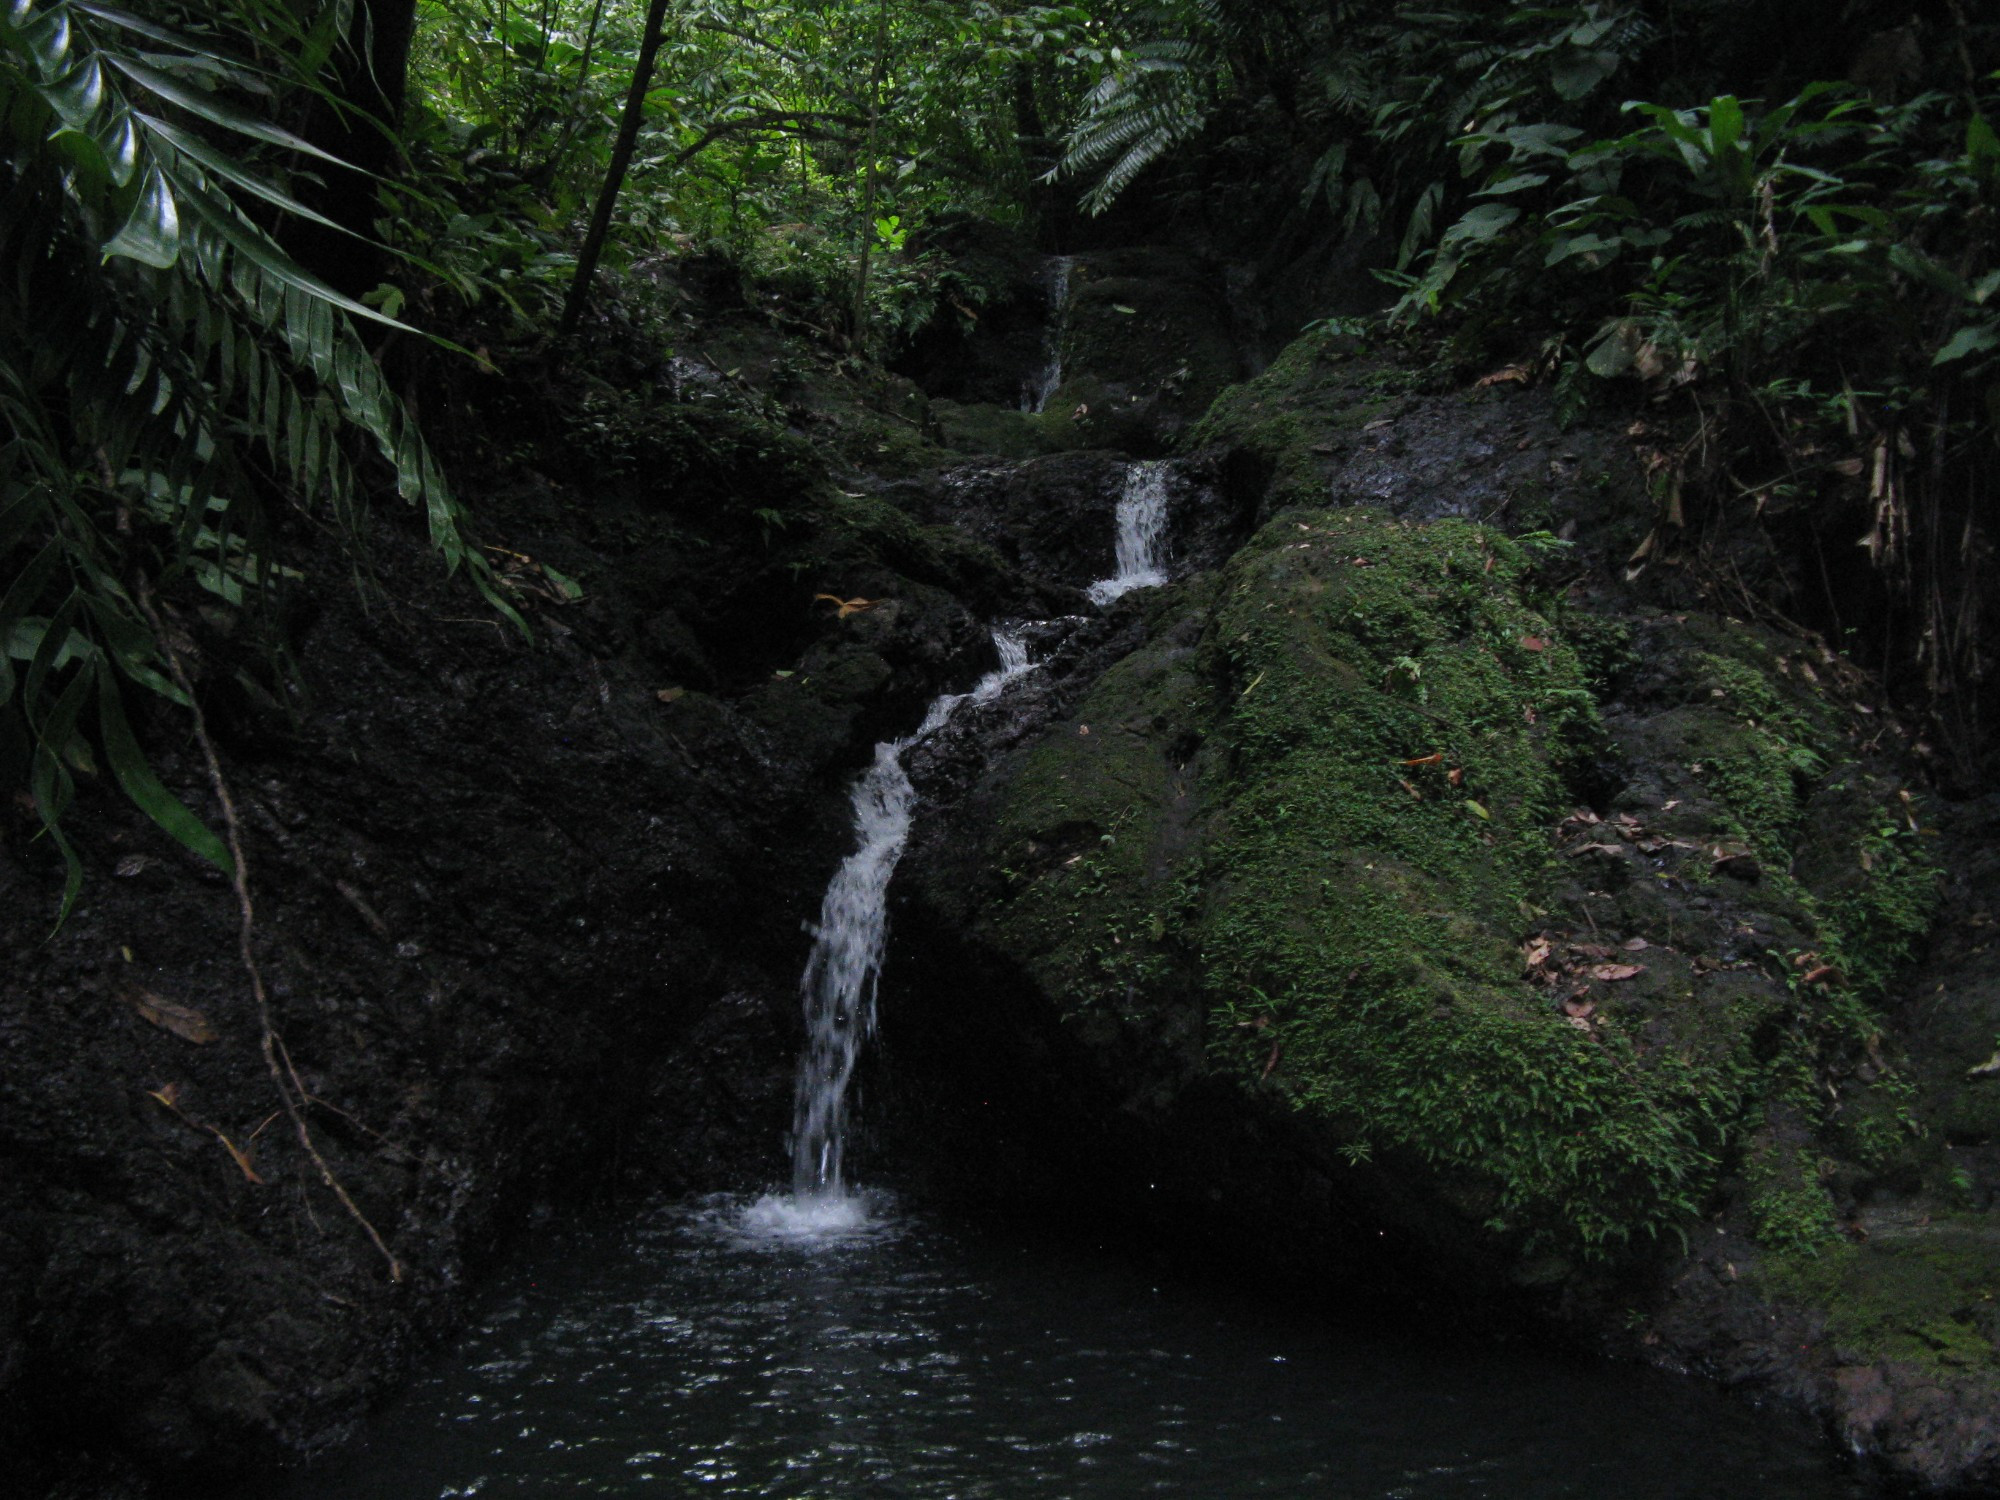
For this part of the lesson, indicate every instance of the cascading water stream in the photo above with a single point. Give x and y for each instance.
(1142, 533)
(840, 979)
(1035, 397)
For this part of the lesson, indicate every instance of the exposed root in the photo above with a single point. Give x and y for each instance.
(291, 1092)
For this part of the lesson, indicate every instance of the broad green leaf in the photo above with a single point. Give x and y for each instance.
(1614, 351)
(217, 111)
(91, 173)
(259, 251)
(1982, 146)
(1974, 338)
(1725, 126)
(1539, 140)
(152, 231)
(1574, 74)
(119, 142)
(1520, 182)
(46, 41)
(77, 95)
(25, 640)
(197, 150)
(1482, 222)
(1568, 247)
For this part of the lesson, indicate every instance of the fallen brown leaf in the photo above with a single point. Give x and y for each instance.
(185, 1022)
(1612, 972)
(1533, 643)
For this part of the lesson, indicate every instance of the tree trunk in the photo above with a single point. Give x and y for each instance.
(860, 320)
(371, 73)
(614, 176)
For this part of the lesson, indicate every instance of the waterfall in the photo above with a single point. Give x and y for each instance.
(1035, 397)
(841, 975)
(1142, 533)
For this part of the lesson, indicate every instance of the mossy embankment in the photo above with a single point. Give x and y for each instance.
(1567, 920)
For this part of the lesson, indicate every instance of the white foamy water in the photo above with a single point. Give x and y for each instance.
(1050, 376)
(1142, 534)
(780, 1218)
(841, 976)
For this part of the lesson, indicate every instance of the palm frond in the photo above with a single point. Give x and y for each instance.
(164, 365)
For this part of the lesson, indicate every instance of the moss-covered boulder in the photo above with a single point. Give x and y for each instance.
(1364, 809)
(1148, 341)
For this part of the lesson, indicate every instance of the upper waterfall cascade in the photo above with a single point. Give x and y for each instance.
(1142, 533)
(1042, 385)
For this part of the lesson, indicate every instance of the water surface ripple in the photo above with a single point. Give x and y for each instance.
(727, 1347)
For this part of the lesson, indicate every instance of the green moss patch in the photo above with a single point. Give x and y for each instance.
(1402, 725)
(1928, 1295)
(1291, 417)
(1336, 820)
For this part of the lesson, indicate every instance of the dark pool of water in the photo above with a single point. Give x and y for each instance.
(713, 1349)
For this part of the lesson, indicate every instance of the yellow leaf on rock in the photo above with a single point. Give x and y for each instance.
(849, 606)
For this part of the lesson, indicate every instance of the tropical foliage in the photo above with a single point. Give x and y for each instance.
(1780, 240)
(168, 374)
(1784, 236)
(805, 140)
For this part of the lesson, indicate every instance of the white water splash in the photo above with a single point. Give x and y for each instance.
(841, 976)
(792, 1220)
(1142, 534)
(1036, 396)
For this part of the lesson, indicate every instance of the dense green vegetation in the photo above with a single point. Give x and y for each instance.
(1777, 220)
(1779, 233)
